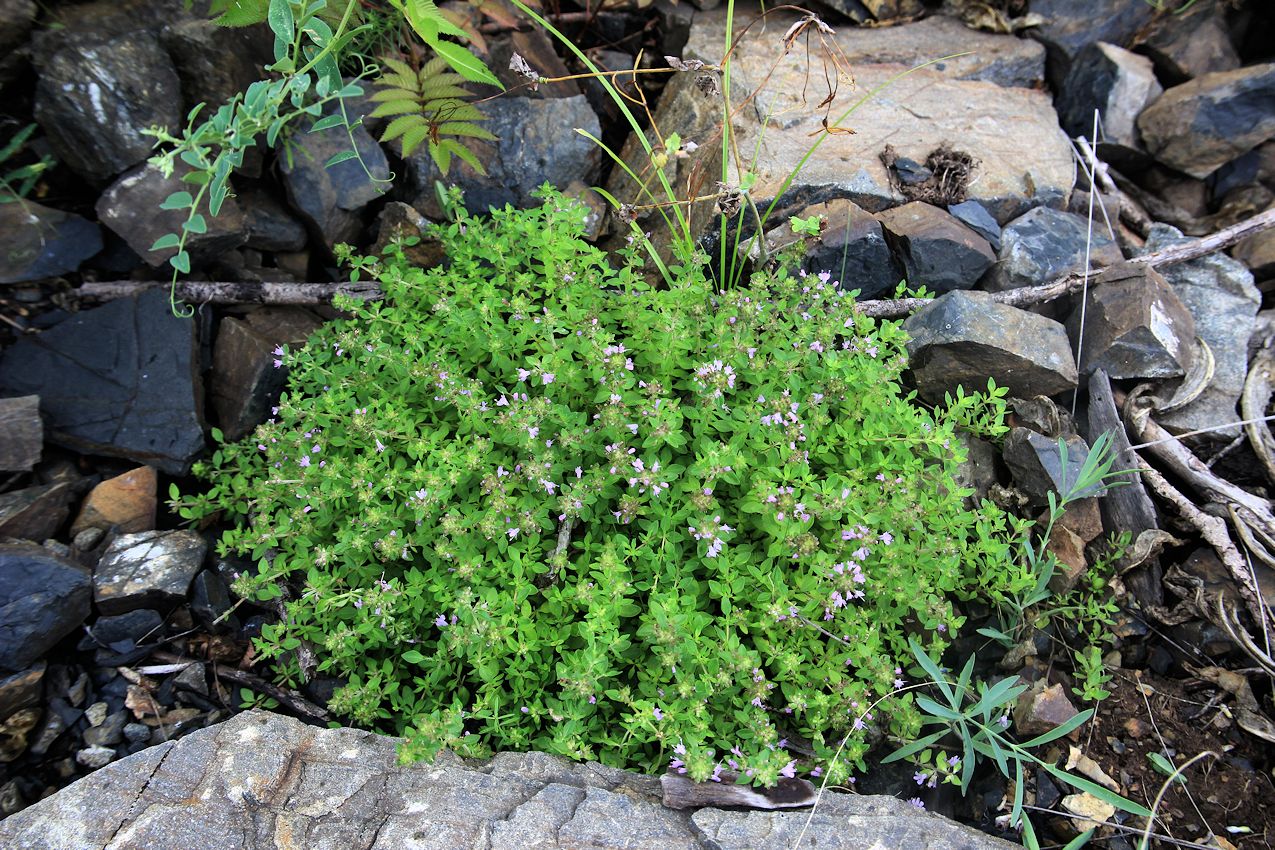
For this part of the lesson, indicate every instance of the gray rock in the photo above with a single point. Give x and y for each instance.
(210, 600)
(40, 242)
(1070, 26)
(852, 248)
(1135, 326)
(534, 46)
(130, 208)
(21, 433)
(1046, 244)
(537, 144)
(142, 625)
(88, 538)
(109, 92)
(245, 382)
(964, 338)
(1220, 296)
(35, 513)
(978, 471)
(137, 733)
(270, 226)
(95, 757)
(109, 732)
(975, 216)
(120, 380)
(43, 598)
(1036, 463)
(329, 199)
(332, 788)
(936, 250)
(1191, 43)
(1201, 125)
(151, 569)
(400, 221)
(1257, 252)
(1117, 84)
(17, 17)
(215, 63)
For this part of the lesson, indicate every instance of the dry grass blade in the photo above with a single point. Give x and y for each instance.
(1253, 403)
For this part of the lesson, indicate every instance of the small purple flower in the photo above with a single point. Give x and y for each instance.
(534, 431)
(918, 802)
(305, 460)
(440, 621)
(547, 378)
(523, 374)
(789, 770)
(513, 532)
(525, 710)
(380, 447)
(657, 714)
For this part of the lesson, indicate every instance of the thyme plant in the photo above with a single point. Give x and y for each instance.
(529, 500)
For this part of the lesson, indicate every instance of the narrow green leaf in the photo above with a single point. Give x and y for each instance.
(1059, 731)
(340, 157)
(281, 21)
(466, 64)
(914, 747)
(1166, 767)
(937, 709)
(1080, 840)
(1098, 791)
(931, 670)
(327, 123)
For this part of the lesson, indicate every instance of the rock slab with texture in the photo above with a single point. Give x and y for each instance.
(1045, 244)
(851, 248)
(38, 242)
(43, 598)
(1037, 463)
(1203, 124)
(937, 251)
(21, 433)
(1117, 84)
(246, 782)
(148, 570)
(964, 338)
(120, 380)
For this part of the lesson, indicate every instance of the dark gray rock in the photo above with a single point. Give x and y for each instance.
(35, 513)
(210, 601)
(215, 63)
(534, 46)
(143, 625)
(1036, 463)
(181, 793)
(1191, 43)
(1117, 84)
(329, 199)
(537, 143)
(271, 227)
(17, 17)
(975, 216)
(936, 250)
(964, 338)
(1069, 26)
(130, 208)
(109, 732)
(120, 380)
(1135, 326)
(37, 242)
(151, 569)
(852, 248)
(21, 433)
(1045, 244)
(1219, 294)
(108, 92)
(1202, 124)
(43, 598)
(245, 383)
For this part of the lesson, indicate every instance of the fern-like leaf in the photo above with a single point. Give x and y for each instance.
(427, 106)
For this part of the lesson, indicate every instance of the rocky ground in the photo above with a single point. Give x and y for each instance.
(975, 178)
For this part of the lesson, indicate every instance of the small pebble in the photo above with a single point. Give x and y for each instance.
(95, 757)
(57, 547)
(78, 690)
(137, 733)
(96, 713)
(88, 538)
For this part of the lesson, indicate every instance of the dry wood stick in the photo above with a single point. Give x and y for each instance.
(287, 697)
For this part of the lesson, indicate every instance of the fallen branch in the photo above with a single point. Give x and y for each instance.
(288, 698)
(196, 292)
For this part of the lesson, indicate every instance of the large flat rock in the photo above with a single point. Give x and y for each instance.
(263, 781)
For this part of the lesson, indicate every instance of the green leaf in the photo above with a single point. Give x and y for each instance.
(413, 657)
(168, 240)
(1059, 731)
(178, 201)
(1102, 793)
(327, 123)
(467, 64)
(932, 670)
(180, 261)
(196, 224)
(936, 708)
(1079, 841)
(282, 24)
(340, 157)
(914, 747)
(1166, 767)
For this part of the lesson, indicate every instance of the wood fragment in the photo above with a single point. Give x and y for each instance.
(287, 697)
(202, 292)
(680, 792)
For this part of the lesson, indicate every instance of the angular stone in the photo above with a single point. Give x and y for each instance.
(1037, 465)
(851, 247)
(1046, 244)
(1202, 124)
(329, 199)
(120, 380)
(109, 732)
(1127, 507)
(14, 732)
(1069, 26)
(1117, 84)
(43, 598)
(35, 513)
(147, 570)
(125, 503)
(95, 758)
(17, 17)
(936, 250)
(210, 600)
(21, 690)
(1042, 709)
(1135, 326)
(1258, 253)
(38, 242)
(537, 143)
(1069, 552)
(141, 625)
(21, 433)
(1219, 294)
(964, 338)
(399, 221)
(245, 382)
(130, 208)
(270, 226)
(974, 215)
(1190, 44)
(178, 793)
(215, 63)
(107, 92)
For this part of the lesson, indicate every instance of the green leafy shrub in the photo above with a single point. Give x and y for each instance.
(530, 501)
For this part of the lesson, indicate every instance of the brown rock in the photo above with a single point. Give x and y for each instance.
(1258, 253)
(1083, 518)
(1136, 727)
(937, 251)
(21, 433)
(1190, 44)
(1069, 551)
(1041, 709)
(125, 503)
(21, 690)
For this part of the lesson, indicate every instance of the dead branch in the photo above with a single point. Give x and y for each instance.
(201, 292)
(287, 697)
